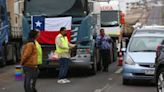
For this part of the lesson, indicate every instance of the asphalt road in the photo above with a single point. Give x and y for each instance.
(81, 81)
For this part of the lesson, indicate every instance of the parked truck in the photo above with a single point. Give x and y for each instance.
(9, 52)
(83, 28)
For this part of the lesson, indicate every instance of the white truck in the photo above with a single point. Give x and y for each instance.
(110, 21)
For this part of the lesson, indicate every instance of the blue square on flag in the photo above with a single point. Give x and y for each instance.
(38, 22)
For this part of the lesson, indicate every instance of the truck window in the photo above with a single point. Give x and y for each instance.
(56, 7)
(109, 18)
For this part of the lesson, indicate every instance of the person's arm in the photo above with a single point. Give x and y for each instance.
(110, 40)
(27, 51)
(72, 45)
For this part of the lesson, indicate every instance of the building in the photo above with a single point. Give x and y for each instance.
(15, 8)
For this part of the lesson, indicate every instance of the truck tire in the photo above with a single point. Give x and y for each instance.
(2, 58)
(2, 62)
(160, 80)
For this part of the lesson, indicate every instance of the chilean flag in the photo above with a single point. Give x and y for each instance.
(49, 28)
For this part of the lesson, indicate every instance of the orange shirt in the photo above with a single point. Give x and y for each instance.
(29, 55)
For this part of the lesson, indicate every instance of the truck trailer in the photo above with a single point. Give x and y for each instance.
(84, 26)
(9, 46)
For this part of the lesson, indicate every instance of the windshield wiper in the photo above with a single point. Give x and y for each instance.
(108, 25)
(144, 51)
(148, 50)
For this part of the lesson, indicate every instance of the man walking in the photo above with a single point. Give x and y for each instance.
(62, 49)
(103, 43)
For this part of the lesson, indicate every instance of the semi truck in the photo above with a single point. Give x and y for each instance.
(9, 52)
(84, 26)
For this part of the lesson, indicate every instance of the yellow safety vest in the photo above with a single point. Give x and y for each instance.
(39, 52)
(64, 42)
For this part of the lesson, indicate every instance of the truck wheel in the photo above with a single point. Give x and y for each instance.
(2, 57)
(94, 66)
(160, 81)
(2, 62)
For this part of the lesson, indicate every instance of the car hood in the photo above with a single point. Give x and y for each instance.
(143, 57)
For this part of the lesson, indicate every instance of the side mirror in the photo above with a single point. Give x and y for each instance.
(123, 49)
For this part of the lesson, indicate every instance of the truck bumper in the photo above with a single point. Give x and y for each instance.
(75, 63)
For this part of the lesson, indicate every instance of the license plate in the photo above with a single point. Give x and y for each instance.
(149, 72)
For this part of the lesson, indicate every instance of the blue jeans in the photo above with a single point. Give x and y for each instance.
(31, 75)
(64, 66)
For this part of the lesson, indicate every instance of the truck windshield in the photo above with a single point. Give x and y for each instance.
(109, 18)
(72, 8)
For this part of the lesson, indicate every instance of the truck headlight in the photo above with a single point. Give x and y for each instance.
(129, 61)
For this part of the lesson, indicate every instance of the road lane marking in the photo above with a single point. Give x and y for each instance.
(102, 89)
(119, 70)
(110, 79)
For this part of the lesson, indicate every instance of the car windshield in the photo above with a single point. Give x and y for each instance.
(109, 18)
(144, 44)
(56, 7)
(152, 31)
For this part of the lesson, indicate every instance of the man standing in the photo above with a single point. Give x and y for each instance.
(62, 49)
(103, 43)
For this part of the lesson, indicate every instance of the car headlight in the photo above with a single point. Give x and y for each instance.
(129, 60)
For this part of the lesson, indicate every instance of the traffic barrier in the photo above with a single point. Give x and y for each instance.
(120, 59)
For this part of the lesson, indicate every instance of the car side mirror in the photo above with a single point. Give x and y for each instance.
(123, 49)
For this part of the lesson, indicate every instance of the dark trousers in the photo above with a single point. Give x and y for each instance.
(105, 58)
(64, 66)
(31, 75)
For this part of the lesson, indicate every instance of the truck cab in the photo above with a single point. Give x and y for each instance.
(83, 29)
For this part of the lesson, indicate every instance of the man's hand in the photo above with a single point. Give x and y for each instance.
(72, 45)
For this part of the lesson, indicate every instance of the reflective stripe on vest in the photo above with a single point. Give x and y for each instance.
(39, 51)
(64, 42)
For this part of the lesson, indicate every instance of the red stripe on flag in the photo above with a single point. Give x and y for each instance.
(48, 37)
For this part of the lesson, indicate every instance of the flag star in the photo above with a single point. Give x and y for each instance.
(38, 24)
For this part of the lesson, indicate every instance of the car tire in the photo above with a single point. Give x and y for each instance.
(160, 80)
(125, 81)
